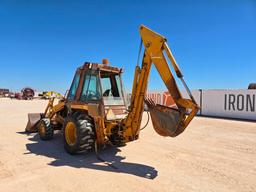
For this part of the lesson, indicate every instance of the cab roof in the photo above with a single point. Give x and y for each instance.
(102, 67)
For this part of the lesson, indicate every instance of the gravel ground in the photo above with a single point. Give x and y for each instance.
(211, 155)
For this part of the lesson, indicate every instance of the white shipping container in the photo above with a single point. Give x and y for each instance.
(229, 103)
(240, 104)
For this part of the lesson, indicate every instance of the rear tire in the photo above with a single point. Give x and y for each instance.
(78, 133)
(45, 129)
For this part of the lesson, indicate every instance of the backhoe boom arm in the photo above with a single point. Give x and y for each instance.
(166, 121)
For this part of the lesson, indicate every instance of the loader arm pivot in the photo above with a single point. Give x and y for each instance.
(166, 121)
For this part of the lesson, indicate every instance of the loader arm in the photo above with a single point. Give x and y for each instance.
(166, 121)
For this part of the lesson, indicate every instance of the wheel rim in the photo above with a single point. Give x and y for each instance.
(70, 133)
(42, 129)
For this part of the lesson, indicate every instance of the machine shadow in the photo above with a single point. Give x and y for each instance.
(54, 149)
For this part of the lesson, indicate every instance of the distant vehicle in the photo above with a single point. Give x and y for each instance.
(252, 86)
(11, 95)
(50, 94)
(4, 92)
(18, 96)
(27, 93)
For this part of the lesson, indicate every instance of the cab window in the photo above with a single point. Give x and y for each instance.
(111, 89)
(72, 91)
(91, 88)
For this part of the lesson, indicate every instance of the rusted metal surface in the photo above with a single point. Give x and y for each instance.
(99, 129)
(33, 119)
(94, 110)
(166, 121)
(101, 67)
(117, 110)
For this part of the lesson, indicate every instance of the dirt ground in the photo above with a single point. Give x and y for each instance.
(211, 155)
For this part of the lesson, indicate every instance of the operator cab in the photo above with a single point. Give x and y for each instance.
(100, 84)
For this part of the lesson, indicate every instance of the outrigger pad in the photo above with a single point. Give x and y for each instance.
(33, 119)
(166, 121)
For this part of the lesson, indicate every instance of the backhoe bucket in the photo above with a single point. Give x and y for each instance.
(166, 121)
(33, 119)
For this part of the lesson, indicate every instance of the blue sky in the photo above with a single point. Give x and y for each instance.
(43, 42)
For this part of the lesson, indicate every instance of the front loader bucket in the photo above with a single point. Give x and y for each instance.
(33, 119)
(166, 121)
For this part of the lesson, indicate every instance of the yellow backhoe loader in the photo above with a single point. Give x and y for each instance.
(94, 113)
(50, 94)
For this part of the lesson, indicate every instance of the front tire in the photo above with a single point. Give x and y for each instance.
(78, 133)
(45, 129)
